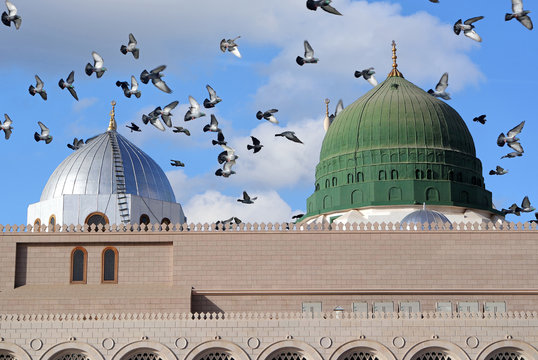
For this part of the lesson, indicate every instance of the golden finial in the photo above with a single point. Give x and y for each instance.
(395, 72)
(112, 124)
(327, 101)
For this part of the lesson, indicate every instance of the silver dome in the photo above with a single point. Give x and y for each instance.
(90, 170)
(424, 216)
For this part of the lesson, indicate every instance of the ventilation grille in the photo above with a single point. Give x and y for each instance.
(433, 356)
(71, 356)
(216, 356)
(145, 356)
(289, 356)
(505, 355)
(360, 356)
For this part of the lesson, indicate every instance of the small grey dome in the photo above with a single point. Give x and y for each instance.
(424, 216)
(92, 170)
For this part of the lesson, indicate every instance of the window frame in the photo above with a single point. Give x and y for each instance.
(116, 259)
(85, 266)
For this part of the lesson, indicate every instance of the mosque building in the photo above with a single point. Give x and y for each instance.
(355, 279)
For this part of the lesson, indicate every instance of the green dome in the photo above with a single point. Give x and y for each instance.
(398, 145)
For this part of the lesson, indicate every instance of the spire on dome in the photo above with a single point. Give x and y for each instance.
(395, 72)
(112, 123)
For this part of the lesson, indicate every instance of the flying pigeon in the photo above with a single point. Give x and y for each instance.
(155, 77)
(535, 221)
(131, 47)
(440, 88)
(323, 4)
(511, 155)
(227, 155)
(229, 221)
(213, 98)
(256, 145)
(468, 28)
(12, 16)
(176, 163)
(77, 144)
(329, 120)
(179, 129)
(38, 89)
(513, 209)
(128, 91)
(226, 170)
(511, 138)
(267, 115)
(166, 114)
(290, 135)
(45, 134)
(434, 1)
(247, 199)
(368, 75)
(213, 126)
(68, 84)
(6, 126)
(298, 216)
(220, 139)
(520, 14)
(308, 55)
(526, 205)
(153, 118)
(97, 67)
(133, 127)
(481, 119)
(231, 46)
(498, 171)
(194, 110)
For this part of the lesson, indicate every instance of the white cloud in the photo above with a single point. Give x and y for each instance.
(213, 206)
(84, 103)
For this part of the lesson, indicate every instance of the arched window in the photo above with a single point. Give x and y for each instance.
(356, 197)
(327, 184)
(335, 181)
(506, 354)
(37, 225)
(146, 355)
(451, 175)
(96, 218)
(144, 219)
(394, 175)
(327, 202)
(52, 223)
(165, 224)
(317, 187)
(287, 355)
(109, 260)
(429, 174)
(382, 175)
(71, 355)
(215, 355)
(349, 178)
(432, 355)
(79, 259)
(432, 194)
(360, 177)
(395, 193)
(419, 174)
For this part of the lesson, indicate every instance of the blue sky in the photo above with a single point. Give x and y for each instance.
(495, 77)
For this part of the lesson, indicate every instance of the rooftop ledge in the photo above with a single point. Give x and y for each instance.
(334, 315)
(277, 227)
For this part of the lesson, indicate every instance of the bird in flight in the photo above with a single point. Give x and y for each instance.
(68, 84)
(440, 88)
(323, 4)
(131, 47)
(97, 67)
(247, 199)
(468, 28)
(368, 75)
(45, 134)
(38, 89)
(519, 14)
(12, 16)
(133, 127)
(308, 55)
(155, 77)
